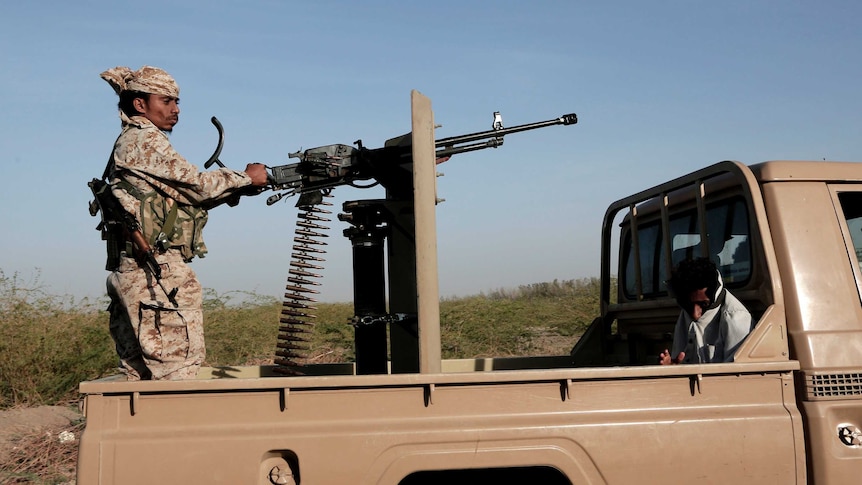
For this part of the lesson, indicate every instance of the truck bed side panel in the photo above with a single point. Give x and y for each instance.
(593, 430)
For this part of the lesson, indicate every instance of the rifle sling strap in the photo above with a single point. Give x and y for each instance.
(168, 227)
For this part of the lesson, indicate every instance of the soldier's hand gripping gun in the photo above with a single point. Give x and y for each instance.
(323, 168)
(116, 218)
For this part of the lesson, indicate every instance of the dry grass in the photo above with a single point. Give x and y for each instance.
(48, 344)
(43, 456)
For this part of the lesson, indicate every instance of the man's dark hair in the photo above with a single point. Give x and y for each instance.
(126, 102)
(693, 274)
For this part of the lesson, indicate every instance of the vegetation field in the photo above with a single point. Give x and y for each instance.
(49, 343)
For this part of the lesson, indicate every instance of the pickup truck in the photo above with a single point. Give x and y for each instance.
(787, 238)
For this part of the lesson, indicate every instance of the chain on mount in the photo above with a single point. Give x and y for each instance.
(297, 310)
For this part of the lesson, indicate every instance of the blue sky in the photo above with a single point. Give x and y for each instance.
(660, 88)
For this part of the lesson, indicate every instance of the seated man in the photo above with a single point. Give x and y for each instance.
(712, 323)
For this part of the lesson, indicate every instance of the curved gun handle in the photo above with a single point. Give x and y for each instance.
(217, 152)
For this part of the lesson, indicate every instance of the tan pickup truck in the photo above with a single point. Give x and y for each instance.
(787, 237)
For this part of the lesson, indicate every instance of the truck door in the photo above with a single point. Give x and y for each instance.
(822, 249)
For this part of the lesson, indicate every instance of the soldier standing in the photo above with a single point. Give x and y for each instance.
(159, 334)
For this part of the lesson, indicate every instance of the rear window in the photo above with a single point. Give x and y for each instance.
(728, 238)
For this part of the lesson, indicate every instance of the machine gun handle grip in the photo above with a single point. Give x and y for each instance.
(569, 119)
(217, 152)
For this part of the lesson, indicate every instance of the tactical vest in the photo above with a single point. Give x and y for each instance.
(167, 224)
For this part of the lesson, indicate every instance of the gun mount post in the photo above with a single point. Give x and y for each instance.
(407, 219)
(367, 234)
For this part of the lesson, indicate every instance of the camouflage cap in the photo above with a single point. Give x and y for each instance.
(147, 79)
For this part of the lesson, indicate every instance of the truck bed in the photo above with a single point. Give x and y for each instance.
(585, 425)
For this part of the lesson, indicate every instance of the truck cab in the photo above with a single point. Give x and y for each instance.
(786, 237)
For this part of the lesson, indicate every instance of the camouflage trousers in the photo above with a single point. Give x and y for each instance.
(156, 339)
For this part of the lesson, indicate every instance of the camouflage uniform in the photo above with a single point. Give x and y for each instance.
(156, 338)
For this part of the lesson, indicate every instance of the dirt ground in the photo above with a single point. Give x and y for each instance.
(33, 444)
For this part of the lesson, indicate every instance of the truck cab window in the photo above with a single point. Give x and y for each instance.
(728, 242)
(851, 205)
(649, 247)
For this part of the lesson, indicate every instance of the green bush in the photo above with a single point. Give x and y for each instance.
(48, 344)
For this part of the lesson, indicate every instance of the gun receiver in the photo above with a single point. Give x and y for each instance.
(324, 168)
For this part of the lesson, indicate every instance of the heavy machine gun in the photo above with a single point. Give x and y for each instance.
(323, 168)
(385, 234)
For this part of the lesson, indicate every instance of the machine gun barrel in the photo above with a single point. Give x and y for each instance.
(324, 168)
(447, 146)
